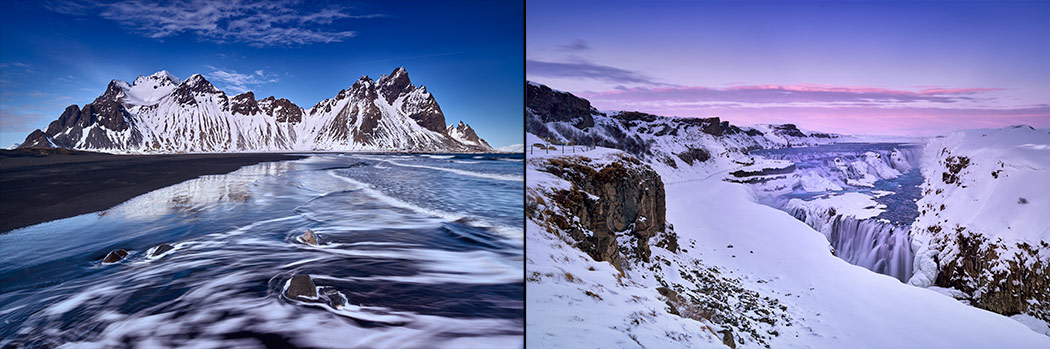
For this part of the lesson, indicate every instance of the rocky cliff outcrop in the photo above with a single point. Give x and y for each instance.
(619, 206)
(550, 106)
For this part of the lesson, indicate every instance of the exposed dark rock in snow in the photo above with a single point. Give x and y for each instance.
(765, 171)
(694, 155)
(622, 197)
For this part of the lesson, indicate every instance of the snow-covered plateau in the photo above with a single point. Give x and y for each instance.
(162, 114)
(650, 231)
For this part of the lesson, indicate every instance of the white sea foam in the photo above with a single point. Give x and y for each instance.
(499, 177)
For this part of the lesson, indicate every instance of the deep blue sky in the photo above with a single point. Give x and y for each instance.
(900, 67)
(468, 54)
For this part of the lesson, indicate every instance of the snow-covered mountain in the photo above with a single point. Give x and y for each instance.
(651, 234)
(562, 118)
(162, 114)
(463, 133)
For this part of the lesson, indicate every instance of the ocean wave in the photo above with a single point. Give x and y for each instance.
(498, 177)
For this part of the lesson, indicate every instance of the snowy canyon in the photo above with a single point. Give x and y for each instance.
(776, 236)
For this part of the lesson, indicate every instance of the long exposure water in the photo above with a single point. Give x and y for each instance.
(423, 251)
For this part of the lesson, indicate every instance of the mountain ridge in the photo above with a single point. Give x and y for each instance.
(160, 113)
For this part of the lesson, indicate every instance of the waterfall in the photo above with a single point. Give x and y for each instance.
(877, 245)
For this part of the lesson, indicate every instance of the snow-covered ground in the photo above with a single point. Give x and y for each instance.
(573, 301)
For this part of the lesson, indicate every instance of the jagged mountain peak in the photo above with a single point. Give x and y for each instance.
(162, 77)
(395, 85)
(159, 113)
(244, 104)
(115, 91)
(463, 133)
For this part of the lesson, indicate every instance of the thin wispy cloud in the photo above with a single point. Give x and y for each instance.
(229, 79)
(17, 66)
(575, 45)
(20, 119)
(278, 23)
(586, 70)
(801, 95)
(924, 110)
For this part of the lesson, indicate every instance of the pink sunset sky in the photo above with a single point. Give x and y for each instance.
(899, 68)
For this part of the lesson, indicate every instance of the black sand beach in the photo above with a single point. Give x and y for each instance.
(37, 186)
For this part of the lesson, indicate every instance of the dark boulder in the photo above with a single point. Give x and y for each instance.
(335, 299)
(115, 256)
(162, 249)
(301, 286)
(309, 238)
(727, 338)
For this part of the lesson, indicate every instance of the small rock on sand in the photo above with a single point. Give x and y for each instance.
(115, 256)
(301, 286)
(161, 249)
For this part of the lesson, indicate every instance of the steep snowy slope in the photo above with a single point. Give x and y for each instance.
(984, 228)
(160, 113)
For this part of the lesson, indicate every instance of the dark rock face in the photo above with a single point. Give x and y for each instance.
(764, 171)
(551, 106)
(245, 104)
(424, 112)
(711, 126)
(162, 249)
(788, 130)
(283, 109)
(115, 256)
(301, 286)
(630, 201)
(195, 85)
(994, 277)
(37, 140)
(68, 130)
(114, 92)
(394, 85)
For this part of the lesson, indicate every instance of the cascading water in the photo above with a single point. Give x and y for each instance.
(885, 173)
(879, 246)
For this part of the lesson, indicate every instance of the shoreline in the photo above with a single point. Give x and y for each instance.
(39, 186)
